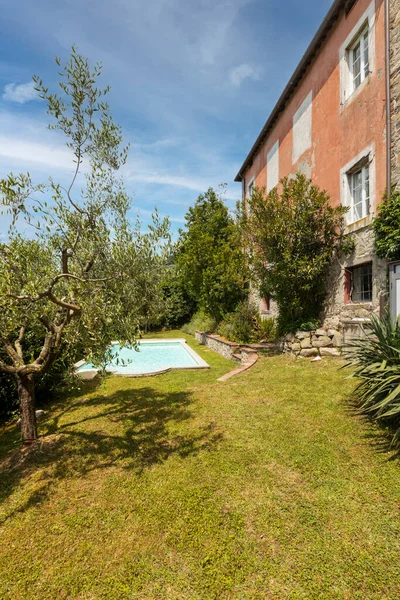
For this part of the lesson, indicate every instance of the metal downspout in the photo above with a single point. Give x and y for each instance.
(388, 102)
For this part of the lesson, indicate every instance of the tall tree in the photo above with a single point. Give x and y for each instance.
(77, 276)
(210, 257)
(293, 233)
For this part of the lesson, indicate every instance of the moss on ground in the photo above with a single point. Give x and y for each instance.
(177, 486)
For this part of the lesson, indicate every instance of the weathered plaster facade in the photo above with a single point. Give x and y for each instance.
(395, 88)
(323, 127)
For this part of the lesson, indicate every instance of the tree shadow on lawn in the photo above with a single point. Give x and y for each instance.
(130, 431)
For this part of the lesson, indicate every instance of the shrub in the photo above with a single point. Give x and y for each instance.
(266, 329)
(376, 359)
(245, 325)
(179, 307)
(387, 228)
(293, 234)
(200, 322)
(238, 326)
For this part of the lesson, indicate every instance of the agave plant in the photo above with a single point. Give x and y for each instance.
(375, 359)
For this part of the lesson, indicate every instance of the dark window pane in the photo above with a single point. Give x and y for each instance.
(361, 283)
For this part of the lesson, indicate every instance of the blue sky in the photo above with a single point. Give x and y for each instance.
(192, 84)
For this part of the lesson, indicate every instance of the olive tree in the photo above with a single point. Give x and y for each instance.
(73, 267)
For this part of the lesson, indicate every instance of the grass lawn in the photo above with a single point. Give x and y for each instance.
(178, 486)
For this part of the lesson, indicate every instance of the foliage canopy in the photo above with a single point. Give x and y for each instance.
(210, 257)
(387, 227)
(293, 234)
(73, 270)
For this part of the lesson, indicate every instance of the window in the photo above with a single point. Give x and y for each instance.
(359, 188)
(360, 283)
(250, 187)
(358, 57)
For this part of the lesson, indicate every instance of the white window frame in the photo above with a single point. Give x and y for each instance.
(363, 42)
(363, 175)
(364, 162)
(348, 91)
(250, 187)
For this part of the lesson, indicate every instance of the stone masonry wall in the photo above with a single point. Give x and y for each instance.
(217, 344)
(395, 87)
(308, 344)
(337, 311)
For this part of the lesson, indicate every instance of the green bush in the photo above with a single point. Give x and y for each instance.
(293, 233)
(376, 360)
(178, 307)
(387, 228)
(200, 322)
(266, 329)
(245, 325)
(238, 326)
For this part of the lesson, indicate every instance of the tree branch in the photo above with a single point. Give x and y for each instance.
(18, 341)
(7, 368)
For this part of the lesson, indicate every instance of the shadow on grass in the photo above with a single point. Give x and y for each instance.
(130, 429)
(378, 434)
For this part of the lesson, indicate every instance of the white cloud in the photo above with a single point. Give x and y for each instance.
(25, 152)
(238, 74)
(20, 93)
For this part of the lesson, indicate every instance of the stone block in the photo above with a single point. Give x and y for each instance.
(308, 352)
(337, 340)
(320, 332)
(302, 335)
(296, 347)
(306, 343)
(329, 352)
(322, 341)
(332, 332)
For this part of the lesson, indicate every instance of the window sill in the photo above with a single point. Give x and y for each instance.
(367, 304)
(360, 224)
(345, 103)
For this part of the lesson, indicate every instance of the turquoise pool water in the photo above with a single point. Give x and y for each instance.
(151, 357)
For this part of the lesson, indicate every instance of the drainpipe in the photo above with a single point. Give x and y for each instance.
(388, 103)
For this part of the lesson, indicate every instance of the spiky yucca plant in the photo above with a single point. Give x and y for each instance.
(376, 360)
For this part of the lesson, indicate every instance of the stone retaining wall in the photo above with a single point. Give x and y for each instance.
(217, 344)
(322, 342)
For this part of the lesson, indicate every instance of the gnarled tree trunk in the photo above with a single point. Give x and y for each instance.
(26, 394)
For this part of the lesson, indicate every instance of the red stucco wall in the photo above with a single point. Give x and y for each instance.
(338, 133)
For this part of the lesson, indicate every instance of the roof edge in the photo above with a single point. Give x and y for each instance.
(301, 68)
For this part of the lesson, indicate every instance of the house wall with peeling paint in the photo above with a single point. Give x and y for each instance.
(322, 129)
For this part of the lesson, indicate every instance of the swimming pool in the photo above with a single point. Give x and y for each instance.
(151, 358)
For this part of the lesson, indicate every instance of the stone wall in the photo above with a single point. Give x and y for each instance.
(217, 344)
(395, 87)
(336, 311)
(308, 344)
